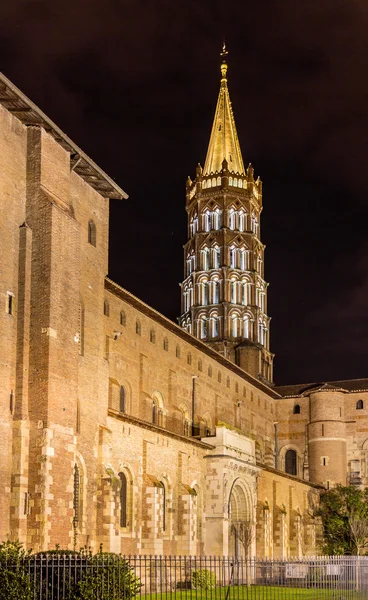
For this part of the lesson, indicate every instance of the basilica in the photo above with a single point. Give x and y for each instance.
(122, 428)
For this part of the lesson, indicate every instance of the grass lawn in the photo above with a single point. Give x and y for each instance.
(258, 592)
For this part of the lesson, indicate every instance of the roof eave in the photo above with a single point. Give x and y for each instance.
(13, 100)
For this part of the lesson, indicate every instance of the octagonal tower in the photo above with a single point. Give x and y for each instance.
(224, 294)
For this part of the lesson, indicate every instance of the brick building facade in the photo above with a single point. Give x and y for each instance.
(118, 426)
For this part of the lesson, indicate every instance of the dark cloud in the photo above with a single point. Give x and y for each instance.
(135, 85)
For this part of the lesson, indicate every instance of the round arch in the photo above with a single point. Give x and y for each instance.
(241, 519)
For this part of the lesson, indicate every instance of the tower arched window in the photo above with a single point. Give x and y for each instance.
(214, 324)
(122, 400)
(241, 220)
(254, 223)
(92, 235)
(122, 318)
(215, 291)
(205, 253)
(233, 291)
(246, 293)
(215, 257)
(246, 326)
(204, 292)
(235, 325)
(166, 344)
(232, 218)
(359, 405)
(207, 220)
(296, 409)
(191, 263)
(291, 462)
(138, 328)
(123, 500)
(261, 333)
(106, 309)
(152, 336)
(243, 259)
(202, 327)
(217, 219)
(233, 257)
(193, 224)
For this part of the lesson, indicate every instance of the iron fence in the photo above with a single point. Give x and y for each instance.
(107, 576)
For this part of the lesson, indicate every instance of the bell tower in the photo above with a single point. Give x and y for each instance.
(224, 295)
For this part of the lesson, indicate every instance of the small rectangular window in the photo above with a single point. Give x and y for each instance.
(323, 430)
(10, 304)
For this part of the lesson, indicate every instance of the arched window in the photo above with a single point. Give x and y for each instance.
(202, 327)
(215, 257)
(204, 292)
(189, 358)
(205, 253)
(152, 336)
(154, 412)
(106, 309)
(216, 219)
(200, 365)
(228, 382)
(209, 371)
(233, 291)
(241, 220)
(246, 326)
(122, 318)
(359, 405)
(296, 409)
(177, 351)
(138, 328)
(232, 218)
(214, 325)
(123, 500)
(193, 224)
(166, 344)
(122, 399)
(235, 325)
(291, 462)
(207, 220)
(246, 293)
(76, 496)
(92, 233)
(243, 255)
(164, 507)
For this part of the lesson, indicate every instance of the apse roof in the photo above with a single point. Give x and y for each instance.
(303, 389)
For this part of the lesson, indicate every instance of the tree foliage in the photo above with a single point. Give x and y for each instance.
(14, 581)
(344, 514)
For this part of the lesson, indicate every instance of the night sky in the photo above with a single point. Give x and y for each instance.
(135, 85)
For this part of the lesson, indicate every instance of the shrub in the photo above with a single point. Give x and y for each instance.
(59, 571)
(204, 579)
(108, 576)
(14, 581)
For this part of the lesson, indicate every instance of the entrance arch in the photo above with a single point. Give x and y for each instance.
(241, 521)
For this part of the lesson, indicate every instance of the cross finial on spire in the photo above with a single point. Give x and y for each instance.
(224, 54)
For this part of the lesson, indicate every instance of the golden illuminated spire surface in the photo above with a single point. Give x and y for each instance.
(224, 143)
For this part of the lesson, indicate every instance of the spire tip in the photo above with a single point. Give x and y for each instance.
(223, 55)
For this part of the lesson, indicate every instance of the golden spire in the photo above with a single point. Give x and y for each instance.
(224, 143)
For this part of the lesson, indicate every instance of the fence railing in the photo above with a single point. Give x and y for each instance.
(111, 577)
